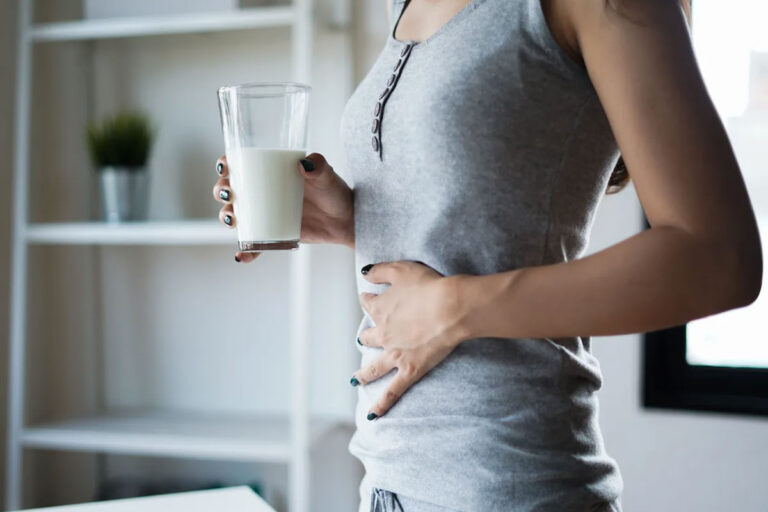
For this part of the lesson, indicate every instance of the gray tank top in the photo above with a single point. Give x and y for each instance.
(483, 149)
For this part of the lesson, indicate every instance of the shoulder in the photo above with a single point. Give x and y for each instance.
(572, 22)
(588, 18)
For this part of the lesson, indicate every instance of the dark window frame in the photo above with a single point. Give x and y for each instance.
(669, 382)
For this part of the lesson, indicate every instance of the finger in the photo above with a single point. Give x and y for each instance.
(227, 216)
(379, 367)
(367, 302)
(369, 337)
(317, 172)
(397, 386)
(222, 168)
(221, 191)
(387, 272)
(246, 256)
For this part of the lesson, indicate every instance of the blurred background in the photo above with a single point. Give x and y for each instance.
(152, 366)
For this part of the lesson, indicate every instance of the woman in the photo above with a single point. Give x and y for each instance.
(479, 146)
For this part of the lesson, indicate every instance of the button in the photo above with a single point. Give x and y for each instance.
(398, 64)
(377, 109)
(375, 125)
(386, 91)
(405, 50)
(391, 80)
(375, 143)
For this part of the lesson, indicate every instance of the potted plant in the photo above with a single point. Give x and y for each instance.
(119, 148)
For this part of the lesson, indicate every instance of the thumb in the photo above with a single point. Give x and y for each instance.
(315, 169)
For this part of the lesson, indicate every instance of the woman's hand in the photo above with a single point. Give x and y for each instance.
(417, 323)
(327, 213)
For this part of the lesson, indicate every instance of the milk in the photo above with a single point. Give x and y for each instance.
(267, 193)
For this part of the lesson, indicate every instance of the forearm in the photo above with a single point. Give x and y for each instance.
(658, 278)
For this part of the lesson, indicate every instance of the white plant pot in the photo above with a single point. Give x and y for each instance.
(124, 193)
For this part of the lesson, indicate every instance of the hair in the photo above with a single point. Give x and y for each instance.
(620, 175)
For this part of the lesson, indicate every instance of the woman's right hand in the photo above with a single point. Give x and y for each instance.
(327, 213)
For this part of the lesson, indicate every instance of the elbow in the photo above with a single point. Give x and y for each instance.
(753, 286)
(746, 273)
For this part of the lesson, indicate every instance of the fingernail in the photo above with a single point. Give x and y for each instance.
(224, 194)
(228, 220)
(354, 381)
(372, 415)
(366, 268)
(359, 342)
(220, 168)
(237, 259)
(307, 164)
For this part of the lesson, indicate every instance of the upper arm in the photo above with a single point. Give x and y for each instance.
(643, 68)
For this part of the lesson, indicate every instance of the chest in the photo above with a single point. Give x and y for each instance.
(476, 114)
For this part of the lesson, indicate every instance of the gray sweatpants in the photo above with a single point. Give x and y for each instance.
(374, 499)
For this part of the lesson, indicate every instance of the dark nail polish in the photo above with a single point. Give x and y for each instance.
(359, 342)
(237, 259)
(228, 220)
(372, 415)
(220, 168)
(307, 164)
(354, 381)
(224, 194)
(366, 268)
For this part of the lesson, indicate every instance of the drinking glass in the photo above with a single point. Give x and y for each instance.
(265, 135)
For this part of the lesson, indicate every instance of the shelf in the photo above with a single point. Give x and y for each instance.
(183, 232)
(237, 498)
(165, 434)
(256, 17)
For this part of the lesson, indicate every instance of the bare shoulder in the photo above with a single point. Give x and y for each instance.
(572, 22)
(587, 16)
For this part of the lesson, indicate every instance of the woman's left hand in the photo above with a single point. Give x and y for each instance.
(417, 323)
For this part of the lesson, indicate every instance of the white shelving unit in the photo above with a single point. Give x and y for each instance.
(163, 25)
(284, 439)
(150, 432)
(184, 232)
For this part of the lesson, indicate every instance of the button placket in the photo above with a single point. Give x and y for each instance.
(378, 110)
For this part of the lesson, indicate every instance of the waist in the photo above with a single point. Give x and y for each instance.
(489, 428)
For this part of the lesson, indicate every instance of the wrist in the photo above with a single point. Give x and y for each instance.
(338, 232)
(346, 234)
(474, 298)
(347, 226)
(458, 327)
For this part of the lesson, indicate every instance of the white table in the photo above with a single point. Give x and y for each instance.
(230, 499)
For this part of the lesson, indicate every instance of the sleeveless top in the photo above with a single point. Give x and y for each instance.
(479, 150)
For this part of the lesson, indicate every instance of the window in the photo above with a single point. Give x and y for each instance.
(720, 362)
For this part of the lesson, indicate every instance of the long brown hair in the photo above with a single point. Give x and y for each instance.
(620, 175)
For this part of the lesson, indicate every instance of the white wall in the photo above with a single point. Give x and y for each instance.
(700, 461)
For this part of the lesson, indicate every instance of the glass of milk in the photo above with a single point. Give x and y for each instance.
(265, 135)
